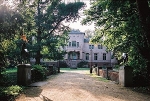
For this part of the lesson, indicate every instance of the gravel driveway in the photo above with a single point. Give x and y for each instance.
(78, 85)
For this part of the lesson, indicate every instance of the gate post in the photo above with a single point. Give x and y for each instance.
(125, 76)
(24, 74)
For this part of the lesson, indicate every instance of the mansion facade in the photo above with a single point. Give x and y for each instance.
(79, 49)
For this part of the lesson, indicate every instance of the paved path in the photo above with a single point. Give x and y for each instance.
(77, 85)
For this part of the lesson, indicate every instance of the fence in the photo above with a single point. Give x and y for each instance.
(112, 75)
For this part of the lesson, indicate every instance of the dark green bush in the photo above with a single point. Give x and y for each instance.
(13, 90)
(9, 93)
(82, 64)
(63, 64)
(8, 79)
(38, 73)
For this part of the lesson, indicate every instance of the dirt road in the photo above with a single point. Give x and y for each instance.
(77, 85)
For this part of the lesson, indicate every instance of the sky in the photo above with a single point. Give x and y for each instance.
(77, 24)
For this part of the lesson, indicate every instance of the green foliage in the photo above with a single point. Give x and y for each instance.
(8, 79)
(63, 64)
(13, 90)
(2, 63)
(51, 32)
(82, 64)
(39, 72)
(119, 29)
(47, 27)
(9, 93)
(7, 25)
(116, 67)
(11, 70)
(14, 22)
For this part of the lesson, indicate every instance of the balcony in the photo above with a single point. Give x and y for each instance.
(71, 48)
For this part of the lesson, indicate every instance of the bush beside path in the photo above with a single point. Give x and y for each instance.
(78, 85)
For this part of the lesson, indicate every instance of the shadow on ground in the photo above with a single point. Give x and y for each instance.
(35, 92)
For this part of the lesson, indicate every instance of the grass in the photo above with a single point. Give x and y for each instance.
(72, 69)
(9, 77)
(87, 72)
(11, 70)
(98, 77)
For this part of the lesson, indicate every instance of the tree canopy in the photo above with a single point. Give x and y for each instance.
(41, 20)
(49, 18)
(118, 22)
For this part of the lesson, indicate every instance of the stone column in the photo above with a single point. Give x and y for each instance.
(24, 74)
(81, 55)
(125, 76)
(67, 56)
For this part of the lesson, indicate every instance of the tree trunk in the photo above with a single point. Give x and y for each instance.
(144, 16)
(38, 54)
(38, 57)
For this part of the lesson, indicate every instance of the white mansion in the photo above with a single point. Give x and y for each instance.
(79, 49)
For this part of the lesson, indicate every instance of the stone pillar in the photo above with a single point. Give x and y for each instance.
(98, 68)
(81, 54)
(67, 56)
(125, 76)
(24, 74)
(107, 73)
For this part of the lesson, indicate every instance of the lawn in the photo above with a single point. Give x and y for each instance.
(72, 69)
(11, 70)
(9, 77)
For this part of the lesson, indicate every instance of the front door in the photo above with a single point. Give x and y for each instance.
(73, 64)
(74, 55)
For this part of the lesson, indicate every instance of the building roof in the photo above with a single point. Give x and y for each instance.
(76, 32)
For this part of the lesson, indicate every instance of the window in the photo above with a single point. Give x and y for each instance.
(87, 56)
(74, 56)
(104, 56)
(95, 56)
(69, 44)
(73, 43)
(100, 47)
(77, 44)
(91, 46)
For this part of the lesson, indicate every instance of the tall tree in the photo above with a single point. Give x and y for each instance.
(119, 23)
(144, 15)
(49, 21)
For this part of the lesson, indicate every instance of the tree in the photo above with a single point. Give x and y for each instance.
(43, 20)
(144, 15)
(49, 23)
(115, 20)
(119, 23)
(15, 21)
(8, 30)
(89, 33)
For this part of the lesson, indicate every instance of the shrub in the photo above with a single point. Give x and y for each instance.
(117, 67)
(9, 93)
(13, 90)
(82, 64)
(38, 73)
(9, 77)
(62, 64)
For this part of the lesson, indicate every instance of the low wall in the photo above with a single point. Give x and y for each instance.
(112, 75)
(55, 63)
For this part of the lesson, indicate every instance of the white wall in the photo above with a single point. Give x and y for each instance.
(84, 48)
